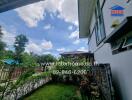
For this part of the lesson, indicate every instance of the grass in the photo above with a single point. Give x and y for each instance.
(56, 92)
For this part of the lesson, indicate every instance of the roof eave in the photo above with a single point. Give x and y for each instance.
(15, 4)
(85, 12)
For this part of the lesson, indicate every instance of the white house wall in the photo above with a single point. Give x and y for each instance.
(121, 63)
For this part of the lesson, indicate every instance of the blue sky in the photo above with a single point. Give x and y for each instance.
(51, 27)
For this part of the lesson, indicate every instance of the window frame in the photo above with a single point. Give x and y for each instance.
(103, 4)
(99, 20)
(122, 46)
(126, 45)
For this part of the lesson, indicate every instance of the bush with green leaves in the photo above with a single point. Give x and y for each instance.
(1, 88)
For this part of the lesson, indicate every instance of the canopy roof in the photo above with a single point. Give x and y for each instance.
(10, 61)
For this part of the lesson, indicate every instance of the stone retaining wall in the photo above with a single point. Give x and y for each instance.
(26, 88)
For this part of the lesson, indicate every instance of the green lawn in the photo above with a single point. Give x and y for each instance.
(56, 92)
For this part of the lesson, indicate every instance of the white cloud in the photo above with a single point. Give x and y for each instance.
(47, 45)
(61, 49)
(34, 13)
(48, 26)
(69, 11)
(39, 48)
(8, 38)
(82, 49)
(74, 35)
(76, 42)
(33, 47)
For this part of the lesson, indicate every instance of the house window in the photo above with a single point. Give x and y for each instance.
(128, 42)
(122, 44)
(116, 46)
(99, 25)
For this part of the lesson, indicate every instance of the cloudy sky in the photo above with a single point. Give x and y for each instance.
(51, 27)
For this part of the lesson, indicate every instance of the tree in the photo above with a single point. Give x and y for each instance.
(65, 59)
(20, 43)
(28, 60)
(2, 45)
(45, 59)
(8, 54)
